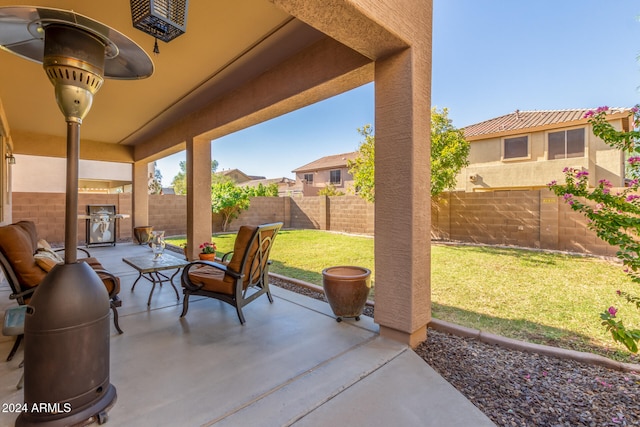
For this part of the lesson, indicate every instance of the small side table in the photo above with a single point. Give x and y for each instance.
(13, 326)
(150, 269)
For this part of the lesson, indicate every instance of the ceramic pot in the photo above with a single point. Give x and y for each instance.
(347, 289)
(207, 257)
(143, 234)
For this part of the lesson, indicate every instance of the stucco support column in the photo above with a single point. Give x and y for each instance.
(141, 193)
(403, 202)
(396, 34)
(198, 194)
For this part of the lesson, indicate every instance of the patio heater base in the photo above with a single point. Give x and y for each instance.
(96, 413)
(66, 358)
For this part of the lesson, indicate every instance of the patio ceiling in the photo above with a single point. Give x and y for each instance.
(226, 44)
(244, 62)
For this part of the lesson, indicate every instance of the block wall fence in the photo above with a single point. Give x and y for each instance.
(536, 219)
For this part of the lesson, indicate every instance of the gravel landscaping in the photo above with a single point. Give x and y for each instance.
(515, 388)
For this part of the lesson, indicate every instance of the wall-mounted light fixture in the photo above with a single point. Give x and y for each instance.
(162, 19)
(11, 159)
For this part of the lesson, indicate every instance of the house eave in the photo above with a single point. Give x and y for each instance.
(542, 128)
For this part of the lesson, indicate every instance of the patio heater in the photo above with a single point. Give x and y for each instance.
(66, 357)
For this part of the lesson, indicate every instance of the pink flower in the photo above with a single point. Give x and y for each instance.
(634, 160)
(632, 197)
(588, 114)
(618, 292)
(581, 174)
(605, 183)
(602, 109)
(612, 311)
(552, 183)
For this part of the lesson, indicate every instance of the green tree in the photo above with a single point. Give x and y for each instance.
(330, 190)
(228, 200)
(262, 190)
(179, 182)
(449, 154)
(362, 167)
(155, 180)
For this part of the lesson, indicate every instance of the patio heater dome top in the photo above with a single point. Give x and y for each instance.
(22, 32)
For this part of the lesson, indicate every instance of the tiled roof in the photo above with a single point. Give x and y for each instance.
(520, 120)
(266, 181)
(328, 162)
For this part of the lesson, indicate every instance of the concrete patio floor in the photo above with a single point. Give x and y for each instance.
(290, 364)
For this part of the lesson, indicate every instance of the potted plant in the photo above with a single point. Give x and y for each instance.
(208, 251)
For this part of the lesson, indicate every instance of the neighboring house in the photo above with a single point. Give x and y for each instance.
(238, 176)
(329, 170)
(286, 186)
(528, 149)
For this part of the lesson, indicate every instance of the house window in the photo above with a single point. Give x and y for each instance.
(308, 178)
(566, 143)
(516, 148)
(335, 177)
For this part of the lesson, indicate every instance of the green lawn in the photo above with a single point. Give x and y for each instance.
(539, 297)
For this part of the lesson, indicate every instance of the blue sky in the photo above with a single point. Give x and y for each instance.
(490, 57)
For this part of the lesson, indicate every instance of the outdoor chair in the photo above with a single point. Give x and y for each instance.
(25, 261)
(240, 280)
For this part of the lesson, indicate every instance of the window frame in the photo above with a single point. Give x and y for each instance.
(331, 181)
(306, 179)
(503, 142)
(565, 131)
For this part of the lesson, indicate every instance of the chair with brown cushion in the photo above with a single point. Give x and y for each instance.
(243, 279)
(25, 261)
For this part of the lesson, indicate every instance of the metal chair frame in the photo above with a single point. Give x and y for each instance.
(19, 294)
(245, 291)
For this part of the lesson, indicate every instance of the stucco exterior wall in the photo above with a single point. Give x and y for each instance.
(322, 178)
(486, 170)
(48, 174)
